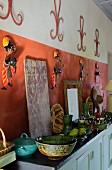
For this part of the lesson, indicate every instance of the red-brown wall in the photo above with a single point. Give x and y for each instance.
(13, 107)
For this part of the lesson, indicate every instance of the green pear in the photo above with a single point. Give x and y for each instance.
(74, 132)
(82, 131)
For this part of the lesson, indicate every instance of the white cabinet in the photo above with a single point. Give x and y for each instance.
(91, 159)
(71, 165)
(83, 162)
(94, 155)
(107, 150)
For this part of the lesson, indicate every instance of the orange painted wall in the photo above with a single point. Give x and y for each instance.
(13, 107)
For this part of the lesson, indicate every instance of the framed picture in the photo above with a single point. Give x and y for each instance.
(73, 97)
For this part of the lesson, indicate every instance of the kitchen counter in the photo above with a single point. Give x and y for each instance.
(40, 162)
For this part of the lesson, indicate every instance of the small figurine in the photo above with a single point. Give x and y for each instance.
(9, 63)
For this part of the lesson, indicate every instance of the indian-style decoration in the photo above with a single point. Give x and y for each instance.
(58, 68)
(57, 17)
(97, 43)
(9, 63)
(81, 61)
(82, 33)
(10, 11)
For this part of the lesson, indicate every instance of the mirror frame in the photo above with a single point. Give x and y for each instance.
(78, 85)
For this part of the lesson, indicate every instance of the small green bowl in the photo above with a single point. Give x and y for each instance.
(101, 126)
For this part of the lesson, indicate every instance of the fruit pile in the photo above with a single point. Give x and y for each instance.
(78, 132)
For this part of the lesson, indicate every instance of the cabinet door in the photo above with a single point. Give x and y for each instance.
(106, 162)
(107, 151)
(83, 162)
(91, 159)
(71, 165)
(96, 156)
(110, 150)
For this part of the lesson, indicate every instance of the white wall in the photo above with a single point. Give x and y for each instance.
(38, 22)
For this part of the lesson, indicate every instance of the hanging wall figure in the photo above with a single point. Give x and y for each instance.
(9, 63)
(97, 72)
(57, 69)
(81, 61)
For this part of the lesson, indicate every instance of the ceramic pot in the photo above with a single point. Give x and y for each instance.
(24, 145)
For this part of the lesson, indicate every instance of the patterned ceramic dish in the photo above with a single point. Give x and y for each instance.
(56, 152)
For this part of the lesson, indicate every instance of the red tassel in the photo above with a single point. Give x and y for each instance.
(53, 80)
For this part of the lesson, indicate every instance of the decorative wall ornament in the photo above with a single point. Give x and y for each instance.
(10, 11)
(9, 63)
(82, 33)
(58, 68)
(57, 20)
(97, 72)
(97, 42)
(81, 61)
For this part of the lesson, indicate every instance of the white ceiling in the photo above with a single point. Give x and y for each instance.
(105, 6)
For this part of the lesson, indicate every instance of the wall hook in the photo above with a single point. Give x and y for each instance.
(57, 20)
(10, 12)
(97, 42)
(82, 33)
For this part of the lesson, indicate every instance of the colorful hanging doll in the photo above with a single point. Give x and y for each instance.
(57, 69)
(82, 67)
(9, 63)
(97, 72)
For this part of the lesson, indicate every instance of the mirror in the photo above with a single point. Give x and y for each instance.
(73, 97)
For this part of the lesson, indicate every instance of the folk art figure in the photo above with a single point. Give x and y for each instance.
(82, 67)
(9, 63)
(58, 68)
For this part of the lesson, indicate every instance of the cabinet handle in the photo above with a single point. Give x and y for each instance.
(91, 155)
(110, 162)
(110, 136)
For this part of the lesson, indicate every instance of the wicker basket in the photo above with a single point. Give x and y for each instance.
(5, 147)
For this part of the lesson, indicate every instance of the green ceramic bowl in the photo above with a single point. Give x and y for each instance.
(57, 139)
(101, 126)
(55, 152)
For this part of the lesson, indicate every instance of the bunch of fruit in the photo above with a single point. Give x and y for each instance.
(75, 132)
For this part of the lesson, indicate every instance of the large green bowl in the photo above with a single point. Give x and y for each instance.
(56, 152)
(57, 139)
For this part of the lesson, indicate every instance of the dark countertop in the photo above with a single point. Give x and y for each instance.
(40, 160)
